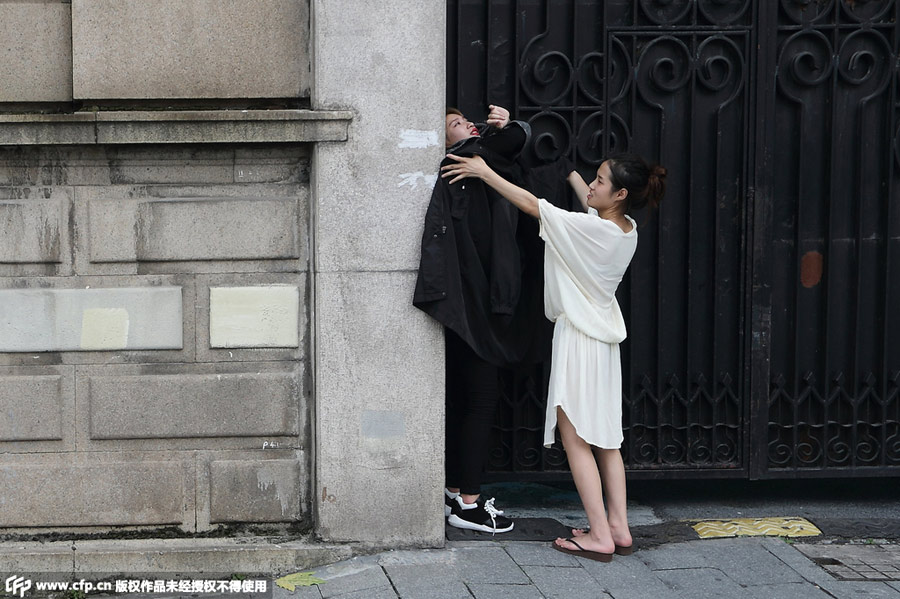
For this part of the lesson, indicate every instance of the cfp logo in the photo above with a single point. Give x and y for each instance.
(17, 585)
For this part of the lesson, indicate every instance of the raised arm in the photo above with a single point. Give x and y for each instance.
(580, 188)
(475, 166)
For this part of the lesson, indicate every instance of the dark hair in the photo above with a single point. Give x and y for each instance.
(646, 184)
(451, 110)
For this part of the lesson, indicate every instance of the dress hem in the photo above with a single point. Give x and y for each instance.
(554, 427)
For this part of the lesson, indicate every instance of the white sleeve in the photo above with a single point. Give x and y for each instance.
(575, 236)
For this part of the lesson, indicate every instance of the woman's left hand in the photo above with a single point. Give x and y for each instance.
(474, 166)
(498, 116)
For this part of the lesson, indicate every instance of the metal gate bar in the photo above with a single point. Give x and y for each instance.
(762, 301)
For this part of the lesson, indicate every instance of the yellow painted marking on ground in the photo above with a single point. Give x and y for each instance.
(298, 579)
(756, 527)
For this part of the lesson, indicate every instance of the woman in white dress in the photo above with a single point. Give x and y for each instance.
(585, 258)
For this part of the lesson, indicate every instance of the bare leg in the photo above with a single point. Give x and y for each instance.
(612, 471)
(590, 490)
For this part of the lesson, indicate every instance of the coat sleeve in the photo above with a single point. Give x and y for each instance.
(507, 142)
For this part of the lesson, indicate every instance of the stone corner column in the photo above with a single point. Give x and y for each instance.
(377, 361)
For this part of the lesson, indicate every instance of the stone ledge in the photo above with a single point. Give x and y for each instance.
(174, 127)
(225, 555)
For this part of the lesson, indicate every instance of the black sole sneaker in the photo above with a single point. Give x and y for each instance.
(484, 517)
(448, 505)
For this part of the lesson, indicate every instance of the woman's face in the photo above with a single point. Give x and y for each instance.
(602, 195)
(458, 128)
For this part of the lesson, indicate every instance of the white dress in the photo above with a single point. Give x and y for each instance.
(585, 259)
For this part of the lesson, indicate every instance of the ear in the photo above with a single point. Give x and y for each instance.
(621, 195)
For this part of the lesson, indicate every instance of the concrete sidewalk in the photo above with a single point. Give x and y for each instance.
(741, 568)
(857, 556)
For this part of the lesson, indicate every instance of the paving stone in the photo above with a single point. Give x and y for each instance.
(817, 576)
(790, 590)
(563, 582)
(382, 593)
(298, 593)
(849, 554)
(505, 591)
(352, 576)
(539, 554)
(746, 561)
(702, 583)
(488, 565)
(678, 555)
(427, 581)
(862, 590)
(627, 578)
(411, 557)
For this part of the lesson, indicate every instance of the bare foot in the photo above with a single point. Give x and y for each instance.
(619, 538)
(587, 543)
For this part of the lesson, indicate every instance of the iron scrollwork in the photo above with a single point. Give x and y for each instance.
(551, 135)
(864, 61)
(665, 12)
(663, 68)
(805, 61)
(807, 11)
(672, 79)
(866, 10)
(723, 12)
(837, 429)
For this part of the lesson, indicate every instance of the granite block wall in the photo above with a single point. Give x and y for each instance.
(154, 335)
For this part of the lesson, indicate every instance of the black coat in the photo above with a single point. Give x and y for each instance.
(481, 268)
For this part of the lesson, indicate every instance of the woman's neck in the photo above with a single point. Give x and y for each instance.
(616, 215)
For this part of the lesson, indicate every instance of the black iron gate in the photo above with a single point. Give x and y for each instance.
(764, 301)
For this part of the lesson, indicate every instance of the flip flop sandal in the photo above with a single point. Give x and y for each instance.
(620, 549)
(582, 552)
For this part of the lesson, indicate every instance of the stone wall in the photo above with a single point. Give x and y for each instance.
(205, 305)
(137, 50)
(154, 334)
(378, 361)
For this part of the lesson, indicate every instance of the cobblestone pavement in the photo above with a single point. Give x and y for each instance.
(739, 568)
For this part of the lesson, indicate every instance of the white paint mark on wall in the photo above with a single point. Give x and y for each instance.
(413, 138)
(104, 328)
(412, 179)
(263, 316)
(267, 477)
(382, 424)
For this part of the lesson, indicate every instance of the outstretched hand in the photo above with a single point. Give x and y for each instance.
(474, 166)
(498, 116)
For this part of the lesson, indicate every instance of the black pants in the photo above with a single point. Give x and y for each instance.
(473, 391)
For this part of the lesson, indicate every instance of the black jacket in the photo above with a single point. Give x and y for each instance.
(481, 268)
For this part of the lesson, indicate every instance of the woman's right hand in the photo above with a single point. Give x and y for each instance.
(474, 166)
